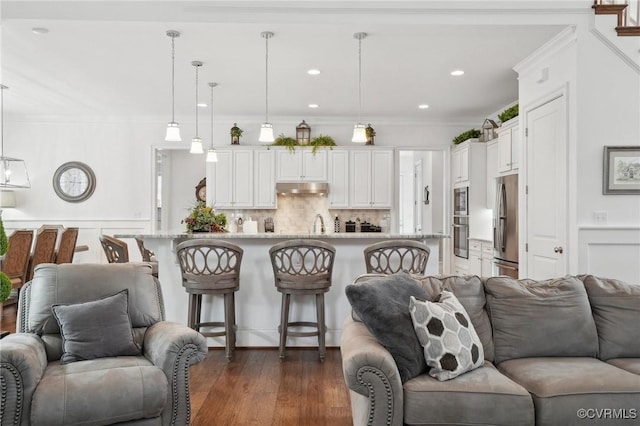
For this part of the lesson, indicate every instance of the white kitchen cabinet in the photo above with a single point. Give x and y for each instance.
(508, 146)
(492, 171)
(338, 179)
(264, 194)
(231, 179)
(480, 258)
(301, 165)
(460, 266)
(460, 164)
(371, 178)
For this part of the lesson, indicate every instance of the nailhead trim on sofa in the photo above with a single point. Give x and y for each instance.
(372, 396)
(18, 380)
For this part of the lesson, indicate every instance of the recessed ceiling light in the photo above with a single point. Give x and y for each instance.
(457, 73)
(423, 106)
(313, 105)
(39, 30)
(313, 72)
(202, 105)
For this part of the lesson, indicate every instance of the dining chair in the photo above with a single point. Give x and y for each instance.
(44, 248)
(66, 245)
(117, 251)
(16, 260)
(389, 257)
(148, 256)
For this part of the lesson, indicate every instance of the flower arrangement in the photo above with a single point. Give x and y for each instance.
(203, 218)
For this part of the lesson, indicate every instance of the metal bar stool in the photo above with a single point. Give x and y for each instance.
(389, 257)
(302, 267)
(211, 267)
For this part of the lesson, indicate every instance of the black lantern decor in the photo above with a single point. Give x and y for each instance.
(371, 133)
(235, 132)
(303, 133)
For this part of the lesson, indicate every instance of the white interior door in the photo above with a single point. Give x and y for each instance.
(417, 198)
(546, 179)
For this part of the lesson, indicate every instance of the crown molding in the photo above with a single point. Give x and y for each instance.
(563, 39)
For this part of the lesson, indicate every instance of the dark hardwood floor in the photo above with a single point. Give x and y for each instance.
(257, 389)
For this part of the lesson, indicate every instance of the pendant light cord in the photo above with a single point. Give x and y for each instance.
(2, 87)
(212, 86)
(173, 79)
(197, 66)
(359, 79)
(266, 77)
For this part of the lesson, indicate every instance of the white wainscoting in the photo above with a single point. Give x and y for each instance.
(610, 252)
(88, 234)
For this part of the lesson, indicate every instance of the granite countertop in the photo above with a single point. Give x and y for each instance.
(271, 235)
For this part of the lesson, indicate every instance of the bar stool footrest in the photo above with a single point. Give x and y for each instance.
(301, 333)
(217, 324)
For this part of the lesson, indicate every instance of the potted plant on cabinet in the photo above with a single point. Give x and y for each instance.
(509, 113)
(235, 132)
(469, 134)
(286, 141)
(322, 140)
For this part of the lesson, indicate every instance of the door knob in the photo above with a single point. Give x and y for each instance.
(557, 249)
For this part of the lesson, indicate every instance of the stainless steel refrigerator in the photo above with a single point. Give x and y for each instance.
(505, 226)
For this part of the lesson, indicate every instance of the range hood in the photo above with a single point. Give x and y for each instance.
(303, 188)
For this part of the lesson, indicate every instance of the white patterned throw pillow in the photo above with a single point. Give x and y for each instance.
(451, 344)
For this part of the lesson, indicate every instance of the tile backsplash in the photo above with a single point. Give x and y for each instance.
(295, 215)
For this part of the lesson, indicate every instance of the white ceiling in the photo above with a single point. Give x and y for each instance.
(113, 59)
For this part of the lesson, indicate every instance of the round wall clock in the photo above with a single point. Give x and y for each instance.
(201, 190)
(74, 181)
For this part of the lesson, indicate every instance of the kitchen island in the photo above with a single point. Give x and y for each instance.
(258, 301)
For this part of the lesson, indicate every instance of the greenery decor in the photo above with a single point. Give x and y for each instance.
(321, 140)
(286, 141)
(203, 218)
(469, 134)
(235, 133)
(5, 282)
(509, 113)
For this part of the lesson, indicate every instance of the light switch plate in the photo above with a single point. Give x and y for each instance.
(600, 217)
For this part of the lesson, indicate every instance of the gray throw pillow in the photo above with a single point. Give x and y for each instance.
(96, 329)
(451, 344)
(382, 304)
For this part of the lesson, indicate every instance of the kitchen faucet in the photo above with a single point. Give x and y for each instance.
(318, 216)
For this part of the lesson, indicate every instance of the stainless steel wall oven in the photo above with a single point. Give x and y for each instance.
(461, 222)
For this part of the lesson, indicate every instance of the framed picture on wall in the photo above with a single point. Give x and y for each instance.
(621, 170)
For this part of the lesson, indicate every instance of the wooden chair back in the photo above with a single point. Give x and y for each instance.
(208, 266)
(67, 245)
(147, 255)
(16, 260)
(117, 251)
(389, 257)
(44, 248)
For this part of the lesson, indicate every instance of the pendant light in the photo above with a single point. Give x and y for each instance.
(266, 130)
(359, 130)
(212, 156)
(13, 171)
(173, 130)
(196, 142)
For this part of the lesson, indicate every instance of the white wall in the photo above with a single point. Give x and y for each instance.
(603, 109)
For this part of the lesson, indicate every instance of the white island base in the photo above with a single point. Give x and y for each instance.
(258, 301)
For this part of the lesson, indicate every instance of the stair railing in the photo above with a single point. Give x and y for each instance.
(628, 12)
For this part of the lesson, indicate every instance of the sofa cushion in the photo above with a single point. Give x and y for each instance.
(86, 390)
(616, 311)
(540, 318)
(488, 397)
(631, 365)
(451, 345)
(469, 290)
(576, 391)
(382, 304)
(97, 329)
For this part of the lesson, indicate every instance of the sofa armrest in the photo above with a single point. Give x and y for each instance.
(370, 370)
(174, 347)
(23, 361)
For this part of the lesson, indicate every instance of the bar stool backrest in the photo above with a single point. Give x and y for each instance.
(389, 257)
(117, 251)
(302, 263)
(208, 264)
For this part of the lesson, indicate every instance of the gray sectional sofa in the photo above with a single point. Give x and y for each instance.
(557, 352)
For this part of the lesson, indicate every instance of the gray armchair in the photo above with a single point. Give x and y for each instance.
(147, 389)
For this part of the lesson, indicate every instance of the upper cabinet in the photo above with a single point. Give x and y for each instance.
(264, 194)
(301, 165)
(371, 178)
(231, 179)
(508, 146)
(338, 179)
(460, 164)
(492, 171)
